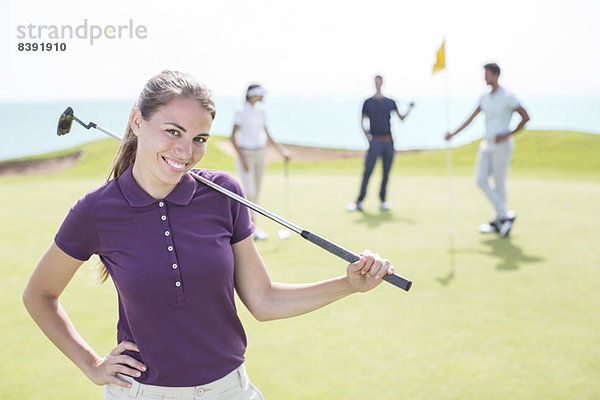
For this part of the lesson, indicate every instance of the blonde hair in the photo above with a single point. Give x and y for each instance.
(158, 92)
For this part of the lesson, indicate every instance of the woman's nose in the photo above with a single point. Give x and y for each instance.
(184, 149)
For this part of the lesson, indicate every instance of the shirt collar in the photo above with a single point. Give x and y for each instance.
(498, 91)
(137, 197)
(249, 107)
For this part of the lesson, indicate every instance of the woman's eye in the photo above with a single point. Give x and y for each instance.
(201, 139)
(173, 132)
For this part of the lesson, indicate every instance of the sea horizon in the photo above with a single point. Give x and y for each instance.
(324, 122)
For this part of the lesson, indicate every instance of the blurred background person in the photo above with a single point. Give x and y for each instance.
(495, 150)
(250, 138)
(377, 109)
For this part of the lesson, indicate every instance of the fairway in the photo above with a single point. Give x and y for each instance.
(486, 318)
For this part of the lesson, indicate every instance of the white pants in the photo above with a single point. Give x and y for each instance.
(252, 179)
(493, 159)
(234, 386)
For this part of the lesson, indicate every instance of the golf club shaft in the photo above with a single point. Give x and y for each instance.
(323, 243)
(96, 126)
(247, 203)
(320, 241)
(109, 133)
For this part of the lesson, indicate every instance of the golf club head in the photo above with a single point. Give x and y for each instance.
(65, 122)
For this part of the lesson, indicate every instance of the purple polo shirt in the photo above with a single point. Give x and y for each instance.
(172, 264)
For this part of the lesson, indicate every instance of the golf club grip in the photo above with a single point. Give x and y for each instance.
(349, 256)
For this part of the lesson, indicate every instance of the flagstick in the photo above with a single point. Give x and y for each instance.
(440, 64)
(449, 165)
(451, 231)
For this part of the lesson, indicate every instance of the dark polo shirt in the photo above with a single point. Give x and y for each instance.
(378, 111)
(172, 264)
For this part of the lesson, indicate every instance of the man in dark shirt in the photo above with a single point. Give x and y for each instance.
(377, 109)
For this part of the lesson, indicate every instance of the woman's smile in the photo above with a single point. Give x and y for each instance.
(177, 166)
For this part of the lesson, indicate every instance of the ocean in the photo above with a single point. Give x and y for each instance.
(29, 128)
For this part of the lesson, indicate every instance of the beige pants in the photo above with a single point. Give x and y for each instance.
(252, 179)
(493, 160)
(234, 386)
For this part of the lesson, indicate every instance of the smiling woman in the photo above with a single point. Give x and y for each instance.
(170, 143)
(177, 251)
(158, 93)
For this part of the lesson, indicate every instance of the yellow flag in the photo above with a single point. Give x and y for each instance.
(440, 62)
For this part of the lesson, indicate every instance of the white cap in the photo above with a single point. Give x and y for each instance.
(256, 91)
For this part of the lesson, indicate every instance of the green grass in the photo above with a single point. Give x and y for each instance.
(486, 318)
(545, 154)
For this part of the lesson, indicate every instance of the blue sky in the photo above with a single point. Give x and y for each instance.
(307, 48)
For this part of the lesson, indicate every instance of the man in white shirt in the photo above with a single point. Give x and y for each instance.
(495, 150)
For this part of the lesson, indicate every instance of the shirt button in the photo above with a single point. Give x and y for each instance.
(163, 217)
(167, 233)
(174, 266)
(199, 391)
(177, 283)
(161, 204)
(170, 248)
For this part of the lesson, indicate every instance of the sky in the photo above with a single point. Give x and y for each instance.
(304, 48)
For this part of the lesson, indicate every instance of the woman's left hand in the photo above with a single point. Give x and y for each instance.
(366, 273)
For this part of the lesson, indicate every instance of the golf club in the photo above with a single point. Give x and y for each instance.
(284, 233)
(65, 123)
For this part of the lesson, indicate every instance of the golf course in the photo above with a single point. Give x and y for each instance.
(486, 317)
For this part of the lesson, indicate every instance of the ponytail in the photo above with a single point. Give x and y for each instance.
(125, 155)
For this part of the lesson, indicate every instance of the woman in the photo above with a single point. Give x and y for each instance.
(175, 250)
(250, 137)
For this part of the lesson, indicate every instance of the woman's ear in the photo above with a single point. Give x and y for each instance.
(135, 121)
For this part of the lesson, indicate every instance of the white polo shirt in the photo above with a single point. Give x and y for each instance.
(251, 121)
(498, 108)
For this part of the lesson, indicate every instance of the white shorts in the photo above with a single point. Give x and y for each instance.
(234, 386)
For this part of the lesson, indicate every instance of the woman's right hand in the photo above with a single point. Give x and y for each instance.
(104, 370)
